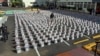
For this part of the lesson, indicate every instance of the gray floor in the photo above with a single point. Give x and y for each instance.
(6, 49)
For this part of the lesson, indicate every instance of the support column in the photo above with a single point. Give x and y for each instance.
(95, 7)
(77, 6)
(8, 1)
(0, 4)
(83, 6)
(74, 5)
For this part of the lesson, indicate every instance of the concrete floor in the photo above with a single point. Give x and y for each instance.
(6, 49)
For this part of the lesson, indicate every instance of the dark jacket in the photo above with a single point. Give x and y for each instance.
(52, 15)
(4, 30)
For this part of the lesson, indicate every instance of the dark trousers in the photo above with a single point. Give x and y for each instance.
(0, 31)
(5, 37)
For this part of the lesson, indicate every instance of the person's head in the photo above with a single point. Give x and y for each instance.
(52, 13)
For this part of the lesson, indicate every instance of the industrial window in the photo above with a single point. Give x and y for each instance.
(76, 4)
(68, 3)
(85, 5)
(61, 3)
(58, 3)
(88, 4)
(71, 3)
(80, 5)
(31, 2)
(93, 5)
(64, 3)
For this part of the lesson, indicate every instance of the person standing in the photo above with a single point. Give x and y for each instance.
(93, 11)
(51, 18)
(0, 31)
(4, 32)
(38, 11)
(0, 34)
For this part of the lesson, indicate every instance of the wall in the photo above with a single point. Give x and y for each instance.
(40, 2)
(28, 2)
(96, 0)
(1, 1)
(75, 0)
